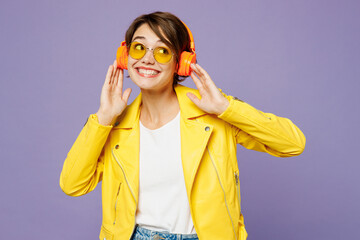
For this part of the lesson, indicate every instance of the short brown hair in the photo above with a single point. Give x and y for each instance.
(169, 29)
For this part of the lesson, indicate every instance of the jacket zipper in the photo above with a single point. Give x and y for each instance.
(132, 193)
(227, 207)
(238, 188)
(116, 200)
(222, 187)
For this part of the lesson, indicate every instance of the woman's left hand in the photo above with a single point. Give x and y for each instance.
(212, 101)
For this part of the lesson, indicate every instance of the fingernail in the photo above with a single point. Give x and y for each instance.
(192, 65)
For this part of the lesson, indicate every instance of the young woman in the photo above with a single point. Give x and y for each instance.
(167, 161)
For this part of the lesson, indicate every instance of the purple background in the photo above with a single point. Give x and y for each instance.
(298, 59)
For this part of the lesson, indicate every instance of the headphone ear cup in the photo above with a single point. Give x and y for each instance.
(122, 57)
(186, 58)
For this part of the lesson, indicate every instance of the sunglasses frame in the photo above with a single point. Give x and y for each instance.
(153, 51)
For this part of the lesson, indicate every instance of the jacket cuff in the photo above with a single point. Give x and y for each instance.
(94, 122)
(229, 112)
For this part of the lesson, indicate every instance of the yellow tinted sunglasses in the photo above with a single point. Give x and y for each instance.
(161, 54)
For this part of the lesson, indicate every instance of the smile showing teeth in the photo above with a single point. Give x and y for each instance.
(147, 72)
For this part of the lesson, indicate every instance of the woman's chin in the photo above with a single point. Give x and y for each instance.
(152, 83)
(146, 83)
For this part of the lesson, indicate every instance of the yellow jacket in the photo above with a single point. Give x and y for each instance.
(208, 151)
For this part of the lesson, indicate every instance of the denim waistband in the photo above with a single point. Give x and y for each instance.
(141, 233)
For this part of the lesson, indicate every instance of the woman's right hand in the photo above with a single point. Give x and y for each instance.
(113, 100)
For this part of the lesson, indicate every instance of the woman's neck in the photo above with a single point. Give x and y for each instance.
(158, 108)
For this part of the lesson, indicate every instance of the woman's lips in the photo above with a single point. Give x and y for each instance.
(146, 72)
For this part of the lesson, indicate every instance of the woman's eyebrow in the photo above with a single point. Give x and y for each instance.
(138, 37)
(143, 38)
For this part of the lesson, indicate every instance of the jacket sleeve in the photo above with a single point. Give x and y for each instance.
(263, 132)
(84, 164)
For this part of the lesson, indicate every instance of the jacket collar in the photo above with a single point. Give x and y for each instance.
(188, 109)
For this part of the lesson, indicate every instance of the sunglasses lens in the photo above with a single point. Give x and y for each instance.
(162, 54)
(137, 50)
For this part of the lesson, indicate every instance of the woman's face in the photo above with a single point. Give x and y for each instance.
(146, 72)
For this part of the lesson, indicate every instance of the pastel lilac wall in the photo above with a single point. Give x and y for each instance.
(298, 59)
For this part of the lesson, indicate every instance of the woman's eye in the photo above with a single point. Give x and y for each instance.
(163, 51)
(139, 47)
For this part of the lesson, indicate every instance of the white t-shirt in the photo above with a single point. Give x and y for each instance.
(163, 203)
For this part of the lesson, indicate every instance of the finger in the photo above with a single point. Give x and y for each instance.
(116, 77)
(113, 72)
(197, 70)
(108, 75)
(201, 70)
(126, 94)
(193, 98)
(205, 76)
(198, 83)
(115, 65)
(120, 79)
(200, 75)
(193, 67)
(111, 77)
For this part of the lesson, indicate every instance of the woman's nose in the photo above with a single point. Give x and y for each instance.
(149, 57)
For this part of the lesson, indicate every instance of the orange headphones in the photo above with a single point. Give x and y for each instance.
(186, 58)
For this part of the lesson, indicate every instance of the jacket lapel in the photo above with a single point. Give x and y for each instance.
(129, 144)
(194, 135)
(194, 139)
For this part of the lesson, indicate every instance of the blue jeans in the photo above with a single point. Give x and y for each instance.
(147, 234)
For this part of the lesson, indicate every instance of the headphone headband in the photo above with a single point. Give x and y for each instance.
(192, 43)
